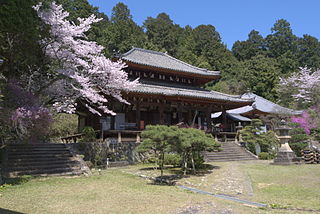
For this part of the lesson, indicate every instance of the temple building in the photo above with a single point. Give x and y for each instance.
(170, 92)
(261, 108)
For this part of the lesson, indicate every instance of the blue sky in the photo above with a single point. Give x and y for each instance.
(233, 19)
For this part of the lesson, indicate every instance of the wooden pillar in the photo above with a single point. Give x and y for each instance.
(161, 114)
(179, 113)
(119, 137)
(138, 140)
(224, 119)
(209, 119)
(138, 114)
(190, 117)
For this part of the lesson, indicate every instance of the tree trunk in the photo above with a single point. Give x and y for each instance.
(192, 162)
(161, 163)
(185, 165)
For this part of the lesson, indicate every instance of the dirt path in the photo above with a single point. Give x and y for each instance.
(227, 178)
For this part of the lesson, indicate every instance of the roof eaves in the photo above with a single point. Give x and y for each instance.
(203, 71)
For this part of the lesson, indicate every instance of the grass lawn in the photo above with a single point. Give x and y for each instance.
(118, 191)
(286, 186)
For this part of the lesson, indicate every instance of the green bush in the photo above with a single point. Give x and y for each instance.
(63, 125)
(264, 156)
(253, 135)
(89, 135)
(151, 159)
(189, 143)
(172, 159)
(315, 133)
(298, 141)
(95, 152)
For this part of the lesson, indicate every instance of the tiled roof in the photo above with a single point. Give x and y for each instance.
(163, 60)
(238, 117)
(263, 105)
(175, 90)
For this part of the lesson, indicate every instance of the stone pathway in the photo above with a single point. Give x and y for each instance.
(232, 180)
(205, 208)
(229, 179)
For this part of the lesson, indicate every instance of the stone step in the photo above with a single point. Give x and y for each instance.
(34, 156)
(46, 172)
(229, 152)
(37, 153)
(48, 162)
(43, 167)
(40, 160)
(42, 145)
(229, 156)
(37, 149)
(231, 159)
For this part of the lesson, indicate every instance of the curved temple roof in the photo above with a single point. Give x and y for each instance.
(261, 104)
(163, 60)
(167, 90)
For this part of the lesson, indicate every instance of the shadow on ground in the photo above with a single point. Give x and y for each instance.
(177, 174)
(5, 211)
(17, 181)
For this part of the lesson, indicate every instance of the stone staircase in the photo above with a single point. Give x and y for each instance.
(41, 160)
(230, 152)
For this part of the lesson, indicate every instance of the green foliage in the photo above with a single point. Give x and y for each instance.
(19, 35)
(188, 143)
(89, 135)
(158, 138)
(123, 32)
(264, 156)
(95, 152)
(63, 125)
(253, 135)
(315, 133)
(162, 32)
(261, 75)
(172, 159)
(299, 140)
(253, 46)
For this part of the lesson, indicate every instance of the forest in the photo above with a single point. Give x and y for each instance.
(256, 64)
(252, 65)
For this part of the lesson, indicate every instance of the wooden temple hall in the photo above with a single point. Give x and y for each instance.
(170, 92)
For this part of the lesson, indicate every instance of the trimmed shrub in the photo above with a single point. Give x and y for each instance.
(89, 135)
(172, 159)
(264, 156)
(298, 141)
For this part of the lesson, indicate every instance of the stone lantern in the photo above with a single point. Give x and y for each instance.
(285, 155)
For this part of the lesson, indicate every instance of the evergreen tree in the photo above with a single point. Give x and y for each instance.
(19, 35)
(254, 45)
(261, 75)
(309, 52)
(163, 33)
(125, 33)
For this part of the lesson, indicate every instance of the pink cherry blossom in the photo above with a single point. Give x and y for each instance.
(305, 81)
(91, 77)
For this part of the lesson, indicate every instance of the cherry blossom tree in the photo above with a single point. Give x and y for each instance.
(86, 75)
(302, 86)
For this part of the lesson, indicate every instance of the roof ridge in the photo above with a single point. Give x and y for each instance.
(230, 95)
(169, 56)
(143, 50)
(208, 91)
(187, 64)
(270, 102)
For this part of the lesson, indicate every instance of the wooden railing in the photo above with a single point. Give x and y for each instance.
(224, 136)
(121, 135)
(124, 135)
